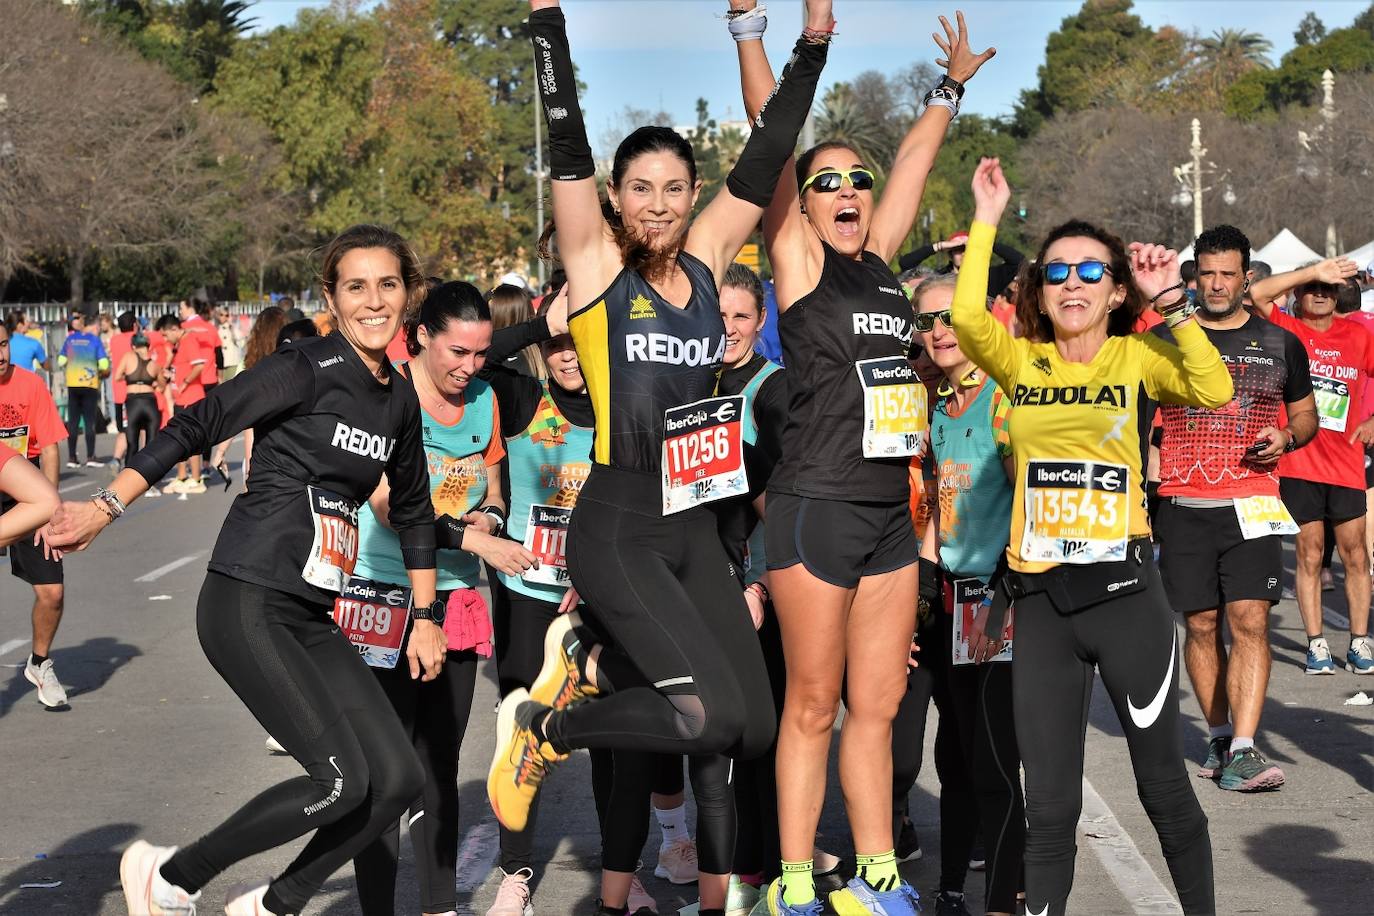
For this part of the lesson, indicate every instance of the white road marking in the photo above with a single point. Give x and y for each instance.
(76, 485)
(1336, 619)
(164, 570)
(1118, 854)
(7, 648)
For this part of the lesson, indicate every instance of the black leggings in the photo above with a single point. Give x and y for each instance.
(434, 715)
(909, 727)
(300, 678)
(141, 416)
(980, 773)
(83, 406)
(1132, 642)
(685, 674)
(757, 845)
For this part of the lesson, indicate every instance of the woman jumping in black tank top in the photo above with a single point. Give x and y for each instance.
(839, 536)
(687, 676)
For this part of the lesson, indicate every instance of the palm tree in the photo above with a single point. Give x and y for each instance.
(229, 15)
(841, 118)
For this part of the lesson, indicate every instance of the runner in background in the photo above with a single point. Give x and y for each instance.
(86, 362)
(184, 382)
(1221, 524)
(139, 377)
(26, 351)
(31, 425)
(196, 318)
(1325, 481)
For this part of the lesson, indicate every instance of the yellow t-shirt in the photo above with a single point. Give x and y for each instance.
(1080, 430)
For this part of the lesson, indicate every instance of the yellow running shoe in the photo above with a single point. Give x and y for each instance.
(560, 683)
(520, 763)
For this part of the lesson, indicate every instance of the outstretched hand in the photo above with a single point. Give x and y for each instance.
(1335, 270)
(960, 60)
(820, 15)
(555, 309)
(1154, 267)
(991, 192)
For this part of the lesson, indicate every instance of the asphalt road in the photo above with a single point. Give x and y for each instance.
(155, 746)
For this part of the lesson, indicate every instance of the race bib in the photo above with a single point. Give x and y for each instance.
(374, 616)
(17, 438)
(1333, 402)
(1261, 516)
(334, 552)
(895, 414)
(969, 595)
(546, 536)
(1076, 512)
(703, 453)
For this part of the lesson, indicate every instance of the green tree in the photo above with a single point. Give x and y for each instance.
(190, 38)
(1365, 21)
(1310, 30)
(842, 119)
(1298, 77)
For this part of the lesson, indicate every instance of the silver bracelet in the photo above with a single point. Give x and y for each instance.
(943, 97)
(749, 25)
(113, 502)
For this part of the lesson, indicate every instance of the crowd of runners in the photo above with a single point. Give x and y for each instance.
(983, 485)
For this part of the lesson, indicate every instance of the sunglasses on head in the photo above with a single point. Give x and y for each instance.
(1057, 272)
(925, 321)
(831, 180)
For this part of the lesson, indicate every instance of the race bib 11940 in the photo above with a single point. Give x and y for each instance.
(334, 552)
(1076, 511)
(703, 453)
(895, 413)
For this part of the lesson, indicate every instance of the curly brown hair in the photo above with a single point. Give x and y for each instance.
(1035, 324)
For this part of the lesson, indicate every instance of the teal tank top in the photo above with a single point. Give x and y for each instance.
(974, 492)
(549, 461)
(755, 563)
(457, 458)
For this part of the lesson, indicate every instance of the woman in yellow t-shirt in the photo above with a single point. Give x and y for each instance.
(1082, 566)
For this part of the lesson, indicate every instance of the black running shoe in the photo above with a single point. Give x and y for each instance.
(908, 843)
(948, 903)
(977, 860)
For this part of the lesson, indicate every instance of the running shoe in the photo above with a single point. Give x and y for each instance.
(73, 463)
(152, 491)
(51, 693)
(274, 745)
(1328, 581)
(1360, 658)
(245, 899)
(1319, 657)
(827, 882)
(677, 862)
(513, 896)
(977, 860)
(175, 485)
(560, 683)
(778, 907)
(194, 487)
(93, 463)
(949, 903)
(520, 763)
(1248, 771)
(640, 901)
(145, 892)
(908, 843)
(741, 897)
(1216, 758)
(858, 899)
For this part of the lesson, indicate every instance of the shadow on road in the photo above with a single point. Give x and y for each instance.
(87, 864)
(1323, 878)
(82, 669)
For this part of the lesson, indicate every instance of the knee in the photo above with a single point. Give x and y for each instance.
(811, 707)
(397, 783)
(1251, 629)
(1202, 627)
(711, 727)
(342, 784)
(1054, 810)
(49, 598)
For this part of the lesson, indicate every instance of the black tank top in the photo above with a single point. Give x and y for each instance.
(141, 375)
(857, 311)
(641, 355)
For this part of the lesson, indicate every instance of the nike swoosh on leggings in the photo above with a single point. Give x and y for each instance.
(1146, 716)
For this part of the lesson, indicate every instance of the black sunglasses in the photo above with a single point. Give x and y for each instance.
(1057, 272)
(925, 321)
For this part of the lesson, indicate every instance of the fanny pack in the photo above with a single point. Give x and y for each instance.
(1075, 588)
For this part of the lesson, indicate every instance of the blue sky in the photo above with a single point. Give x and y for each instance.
(664, 54)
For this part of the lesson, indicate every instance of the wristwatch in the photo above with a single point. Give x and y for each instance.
(1292, 444)
(435, 613)
(497, 516)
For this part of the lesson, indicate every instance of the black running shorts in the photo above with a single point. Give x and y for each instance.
(838, 542)
(1320, 502)
(1206, 563)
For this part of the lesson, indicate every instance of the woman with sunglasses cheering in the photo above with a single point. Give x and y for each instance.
(1082, 568)
(839, 537)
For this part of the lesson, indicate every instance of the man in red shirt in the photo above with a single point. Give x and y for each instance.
(1325, 481)
(1219, 494)
(31, 425)
(184, 377)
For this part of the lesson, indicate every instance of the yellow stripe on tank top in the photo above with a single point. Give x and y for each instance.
(591, 338)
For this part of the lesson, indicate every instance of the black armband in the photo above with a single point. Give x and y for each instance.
(929, 578)
(570, 155)
(755, 176)
(417, 546)
(448, 533)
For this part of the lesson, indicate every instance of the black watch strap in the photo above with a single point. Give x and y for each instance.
(432, 612)
(950, 82)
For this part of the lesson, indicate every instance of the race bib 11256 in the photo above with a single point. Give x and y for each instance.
(703, 453)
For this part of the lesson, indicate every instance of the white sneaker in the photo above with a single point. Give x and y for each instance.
(194, 487)
(146, 893)
(50, 692)
(152, 491)
(274, 745)
(246, 899)
(93, 463)
(73, 464)
(639, 901)
(677, 862)
(175, 485)
(513, 897)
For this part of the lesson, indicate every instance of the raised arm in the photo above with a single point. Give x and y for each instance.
(583, 236)
(724, 226)
(1332, 270)
(981, 336)
(906, 181)
(1192, 372)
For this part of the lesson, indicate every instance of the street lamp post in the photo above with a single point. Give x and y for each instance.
(1189, 176)
(1328, 119)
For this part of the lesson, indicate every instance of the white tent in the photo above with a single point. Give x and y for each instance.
(1286, 251)
(1362, 255)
